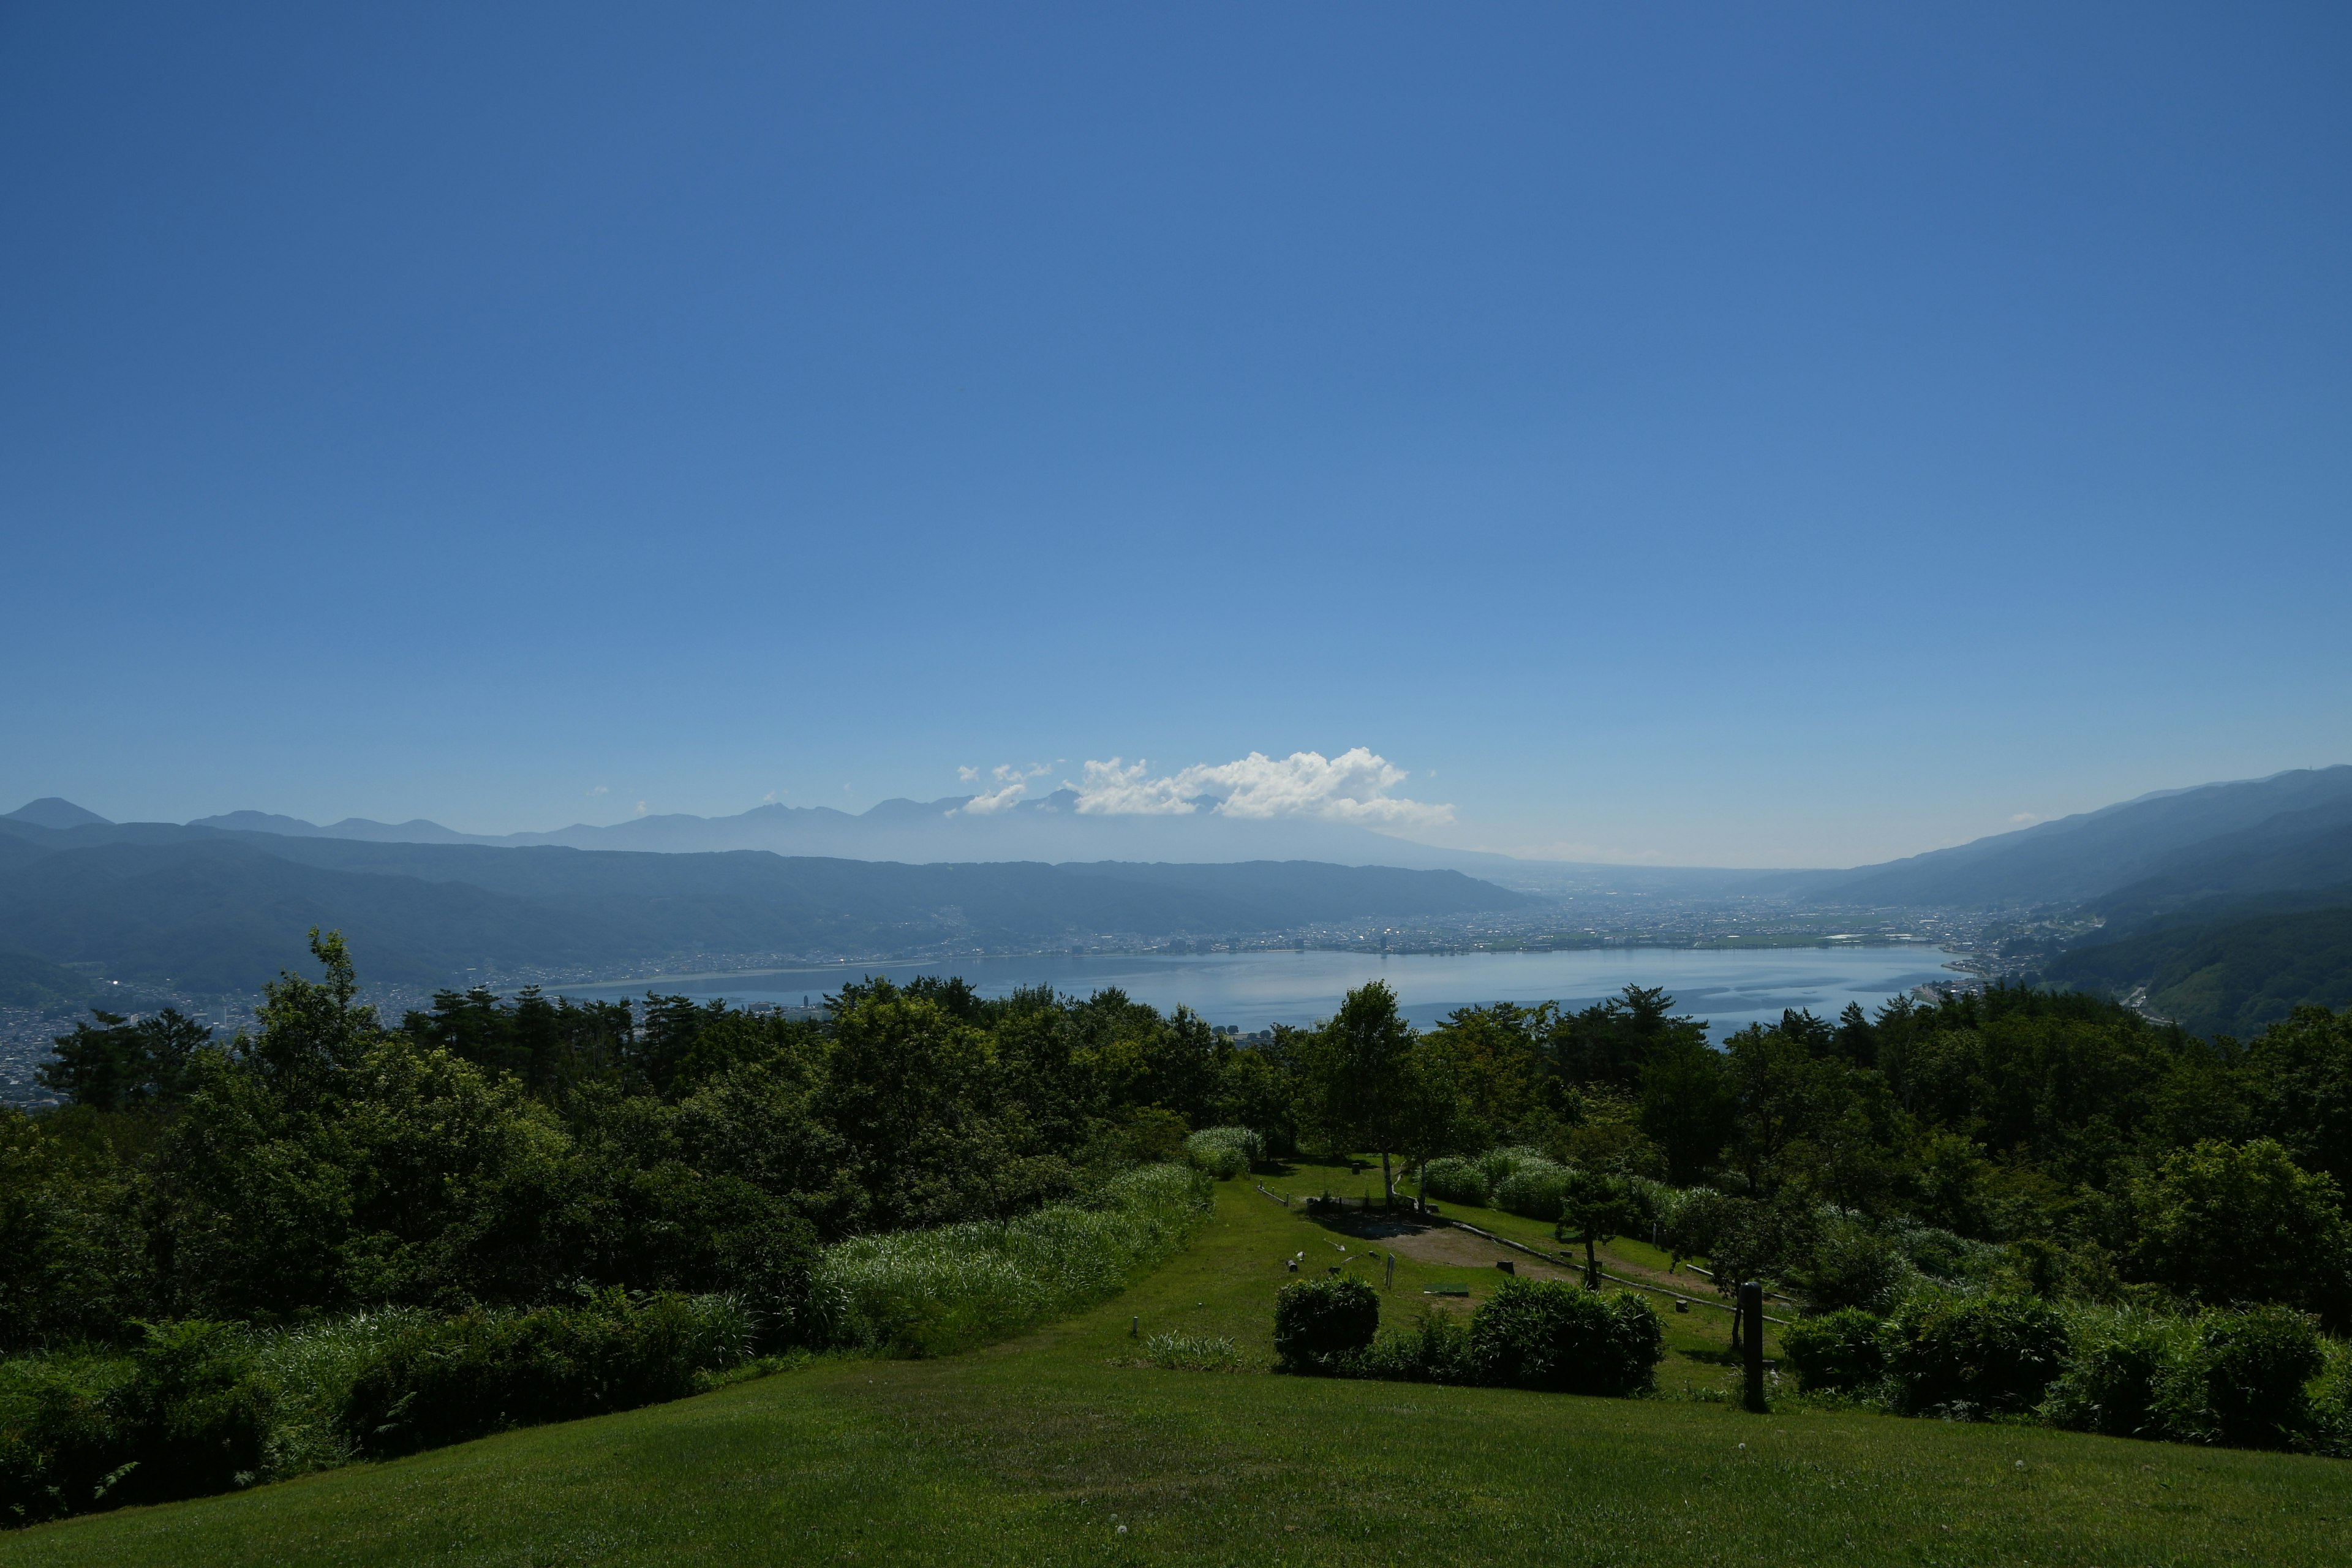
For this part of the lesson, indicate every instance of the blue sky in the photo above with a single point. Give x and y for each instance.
(1701, 434)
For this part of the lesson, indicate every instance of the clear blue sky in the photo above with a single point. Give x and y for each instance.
(1696, 434)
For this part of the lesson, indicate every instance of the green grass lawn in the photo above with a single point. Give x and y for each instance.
(1039, 1450)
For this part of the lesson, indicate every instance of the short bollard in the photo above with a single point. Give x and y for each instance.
(1751, 1322)
(1135, 1327)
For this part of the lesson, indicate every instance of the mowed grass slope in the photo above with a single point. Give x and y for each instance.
(1037, 1451)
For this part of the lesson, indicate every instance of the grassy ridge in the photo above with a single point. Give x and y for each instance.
(1037, 1450)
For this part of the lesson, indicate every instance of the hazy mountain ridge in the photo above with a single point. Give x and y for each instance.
(208, 909)
(2087, 858)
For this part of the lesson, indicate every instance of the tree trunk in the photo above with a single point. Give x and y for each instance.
(1591, 1265)
(1388, 1182)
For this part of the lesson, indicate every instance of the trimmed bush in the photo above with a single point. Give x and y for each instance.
(446, 1380)
(1842, 1352)
(1453, 1181)
(1984, 1354)
(1535, 1190)
(928, 1292)
(1320, 1325)
(1547, 1334)
(1224, 1151)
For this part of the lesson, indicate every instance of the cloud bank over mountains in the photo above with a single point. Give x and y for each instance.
(1356, 787)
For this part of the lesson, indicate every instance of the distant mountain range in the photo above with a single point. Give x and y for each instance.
(2173, 873)
(1050, 829)
(209, 910)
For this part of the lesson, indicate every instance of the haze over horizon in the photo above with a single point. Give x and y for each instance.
(1717, 441)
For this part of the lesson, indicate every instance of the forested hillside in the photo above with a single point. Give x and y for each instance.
(2232, 974)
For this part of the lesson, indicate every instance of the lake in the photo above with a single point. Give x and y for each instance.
(1251, 990)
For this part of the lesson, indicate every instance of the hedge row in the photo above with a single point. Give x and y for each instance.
(201, 1407)
(2258, 1378)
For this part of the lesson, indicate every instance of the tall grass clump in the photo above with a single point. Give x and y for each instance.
(929, 1292)
(1497, 1164)
(1455, 1181)
(310, 1370)
(1194, 1352)
(1225, 1153)
(1534, 1190)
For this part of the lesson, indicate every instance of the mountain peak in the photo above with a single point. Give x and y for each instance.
(50, 811)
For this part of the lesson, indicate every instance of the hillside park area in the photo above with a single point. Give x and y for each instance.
(1070, 1444)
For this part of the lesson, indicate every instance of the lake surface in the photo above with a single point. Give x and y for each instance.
(1251, 990)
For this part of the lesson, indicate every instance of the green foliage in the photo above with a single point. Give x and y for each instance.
(2255, 1367)
(2125, 1373)
(1434, 1348)
(123, 1066)
(1322, 1324)
(185, 1412)
(1534, 1189)
(1975, 1355)
(1454, 1179)
(1547, 1334)
(932, 1291)
(1852, 1264)
(1843, 1351)
(2223, 1223)
(1225, 1153)
(443, 1380)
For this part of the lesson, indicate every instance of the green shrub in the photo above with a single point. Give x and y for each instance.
(1320, 1324)
(1851, 1264)
(1453, 1181)
(1225, 1151)
(2331, 1403)
(62, 1441)
(2124, 1369)
(443, 1380)
(1972, 1355)
(2255, 1365)
(1550, 1335)
(1534, 1190)
(1842, 1352)
(1435, 1348)
(184, 1414)
(928, 1292)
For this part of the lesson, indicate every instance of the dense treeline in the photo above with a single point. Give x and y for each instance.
(506, 1152)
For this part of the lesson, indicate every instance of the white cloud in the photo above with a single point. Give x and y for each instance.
(1355, 786)
(600, 789)
(1012, 784)
(641, 808)
(2028, 819)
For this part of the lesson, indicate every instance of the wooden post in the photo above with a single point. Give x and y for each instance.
(1751, 1321)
